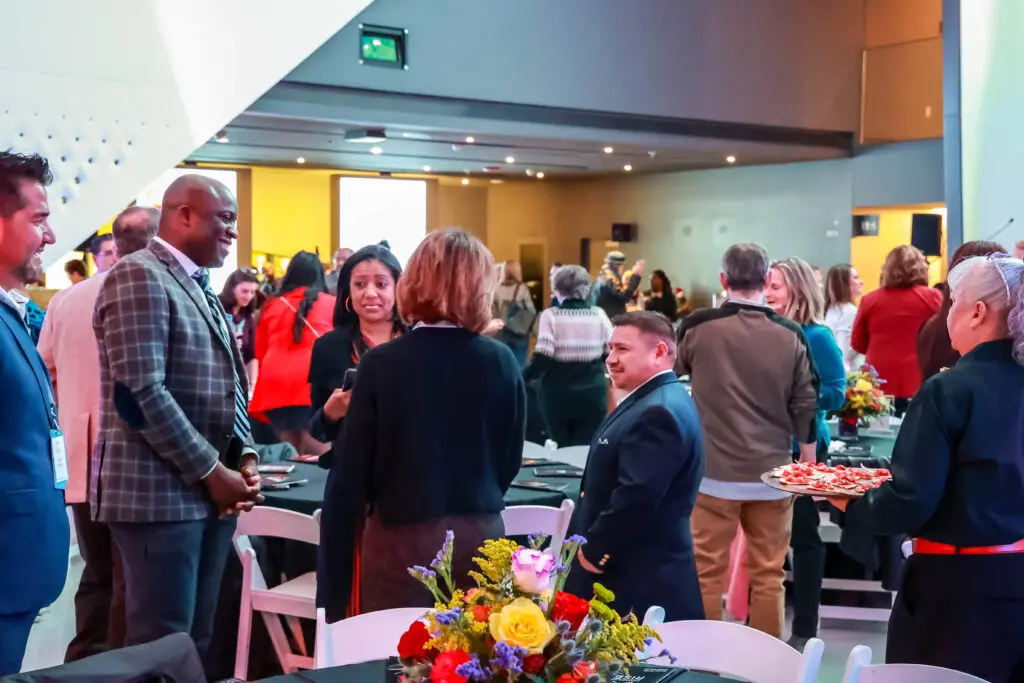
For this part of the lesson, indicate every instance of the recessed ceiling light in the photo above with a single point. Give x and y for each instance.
(221, 137)
(529, 171)
(496, 181)
(730, 159)
(427, 169)
(376, 150)
(456, 148)
(510, 160)
(470, 139)
(300, 160)
(627, 168)
(540, 174)
(609, 150)
(465, 181)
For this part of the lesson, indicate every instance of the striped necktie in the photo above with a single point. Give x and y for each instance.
(242, 429)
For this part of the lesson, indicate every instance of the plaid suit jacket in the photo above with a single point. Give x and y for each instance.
(167, 392)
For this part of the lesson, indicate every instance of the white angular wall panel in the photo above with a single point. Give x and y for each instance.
(115, 92)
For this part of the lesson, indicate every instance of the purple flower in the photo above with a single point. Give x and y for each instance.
(532, 570)
(508, 657)
(422, 573)
(449, 541)
(449, 617)
(576, 538)
(560, 568)
(438, 559)
(472, 670)
(666, 653)
(537, 539)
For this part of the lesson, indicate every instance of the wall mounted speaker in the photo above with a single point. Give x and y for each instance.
(623, 232)
(926, 233)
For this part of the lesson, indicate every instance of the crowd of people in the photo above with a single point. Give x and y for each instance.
(142, 407)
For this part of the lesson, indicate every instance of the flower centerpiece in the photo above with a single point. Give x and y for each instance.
(518, 625)
(864, 400)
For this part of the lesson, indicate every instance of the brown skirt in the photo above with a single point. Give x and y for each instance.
(387, 553)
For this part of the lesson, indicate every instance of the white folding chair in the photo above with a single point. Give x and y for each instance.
(712, 646)
(859, 669)
(522, 520)
(572, 455)
(291, 599)
(535, 450)
(365, 638)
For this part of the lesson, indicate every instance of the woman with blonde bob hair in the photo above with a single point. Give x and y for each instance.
(793, 292)
(957, 489)
(888, 321)
(431, 441)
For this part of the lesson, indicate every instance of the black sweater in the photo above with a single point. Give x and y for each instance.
(435, 427)
(332, 356)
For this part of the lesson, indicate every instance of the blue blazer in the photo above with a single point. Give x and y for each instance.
(34, 535)
(640, 486)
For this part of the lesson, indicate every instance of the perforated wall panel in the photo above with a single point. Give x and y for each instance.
(115, 92)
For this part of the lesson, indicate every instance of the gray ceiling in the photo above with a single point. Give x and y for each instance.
(298, 120)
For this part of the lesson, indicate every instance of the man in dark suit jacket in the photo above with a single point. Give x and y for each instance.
(168, 473)
(34, 535)
(640, 485)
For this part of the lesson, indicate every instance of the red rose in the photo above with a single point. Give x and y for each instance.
(414, 641)
(584, 669)
(569, 608)
(534, 664)
(566, 678)
(481, 613)
(445, 665)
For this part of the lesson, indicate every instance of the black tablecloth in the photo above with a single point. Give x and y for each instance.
(377, 672)
(306, 498)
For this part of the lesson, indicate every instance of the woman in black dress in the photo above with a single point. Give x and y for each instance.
(432, 438)
(661, 298)
(958, 489)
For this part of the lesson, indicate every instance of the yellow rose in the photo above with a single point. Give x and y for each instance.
(522, 623)
(863, 385)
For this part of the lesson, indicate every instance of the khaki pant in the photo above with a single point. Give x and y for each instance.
(766, 525)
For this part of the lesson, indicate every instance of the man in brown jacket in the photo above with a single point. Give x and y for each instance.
(756, 390)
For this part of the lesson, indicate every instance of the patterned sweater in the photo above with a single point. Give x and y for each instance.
(568, 360)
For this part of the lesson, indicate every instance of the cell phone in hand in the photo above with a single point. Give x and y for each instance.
(349, 380)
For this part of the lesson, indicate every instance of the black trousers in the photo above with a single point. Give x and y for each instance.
(961, 612)
(172, 574)
(574, 429)
(99, 601)
(808, 567)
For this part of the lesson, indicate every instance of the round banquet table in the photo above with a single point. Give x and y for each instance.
(307, 498)
(378, 672)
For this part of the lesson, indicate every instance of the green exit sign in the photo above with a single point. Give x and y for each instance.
(383, 46)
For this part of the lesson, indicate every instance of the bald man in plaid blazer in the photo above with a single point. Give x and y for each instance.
(174, 403)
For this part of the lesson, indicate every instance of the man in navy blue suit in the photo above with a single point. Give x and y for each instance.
(34, 535)
(640, 486)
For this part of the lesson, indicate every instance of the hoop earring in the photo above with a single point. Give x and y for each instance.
(348, 305)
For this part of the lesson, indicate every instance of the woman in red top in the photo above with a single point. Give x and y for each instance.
(888, 321)
(291, 322)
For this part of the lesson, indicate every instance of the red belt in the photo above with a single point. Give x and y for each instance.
(923, 546)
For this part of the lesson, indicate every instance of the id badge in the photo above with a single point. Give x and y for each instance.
(59, 457)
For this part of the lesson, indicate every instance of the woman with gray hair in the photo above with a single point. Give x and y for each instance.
(958, 489)
(568, 361)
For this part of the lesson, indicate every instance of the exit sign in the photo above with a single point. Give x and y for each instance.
(383, 46)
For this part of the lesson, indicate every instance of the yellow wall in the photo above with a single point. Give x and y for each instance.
(291, 211)
(867, 254)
